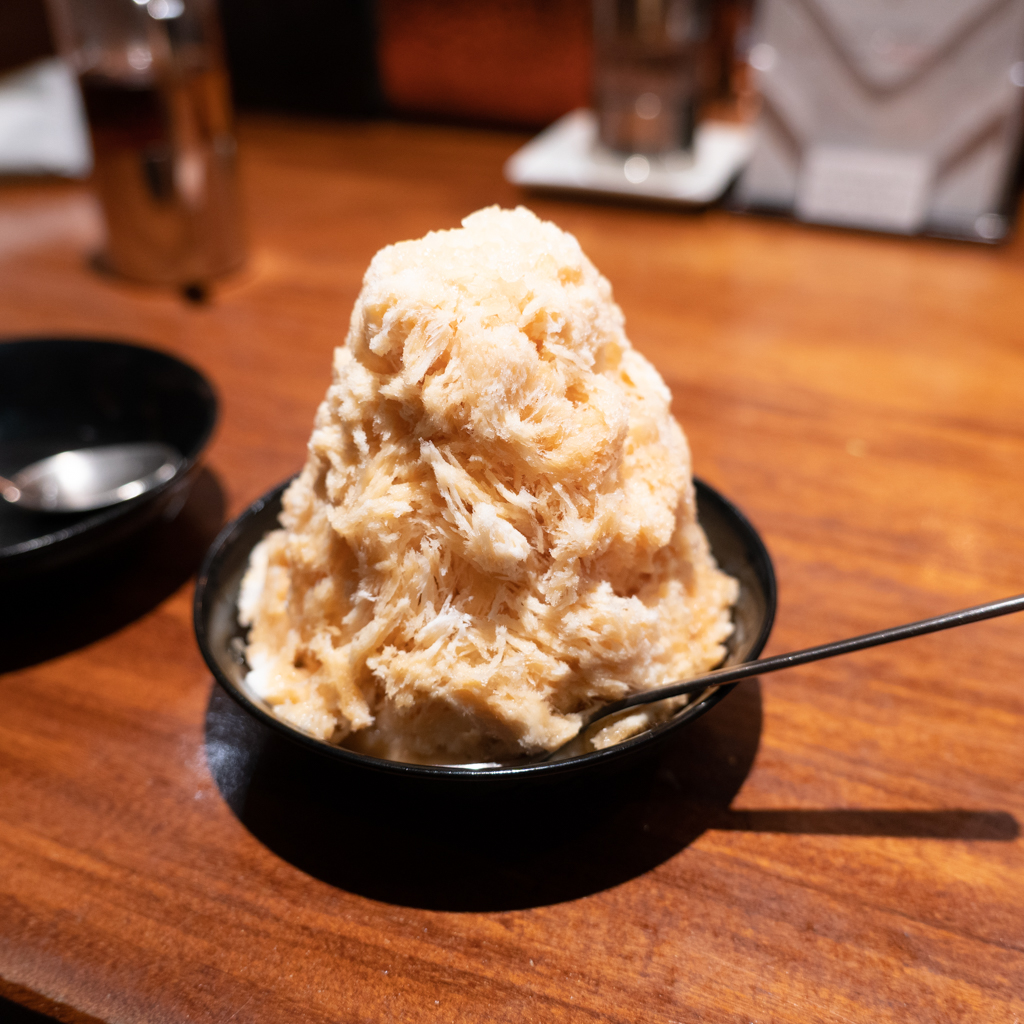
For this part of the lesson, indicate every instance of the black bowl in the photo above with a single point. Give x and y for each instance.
(63, 393)
(734, 541)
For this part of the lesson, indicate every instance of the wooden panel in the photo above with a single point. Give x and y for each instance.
(522, 62)
(841, 842)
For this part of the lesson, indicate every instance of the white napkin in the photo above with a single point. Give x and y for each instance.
(42, 122)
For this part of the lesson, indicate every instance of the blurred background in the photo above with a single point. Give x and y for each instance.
(519, 63)
(901, 119)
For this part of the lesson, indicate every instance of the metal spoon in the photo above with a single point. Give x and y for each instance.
(91, 478)
(780, 661)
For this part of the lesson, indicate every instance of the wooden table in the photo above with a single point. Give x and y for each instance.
(842, 843)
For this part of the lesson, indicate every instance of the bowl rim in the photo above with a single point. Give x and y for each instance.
(229, 535)
(104, 516)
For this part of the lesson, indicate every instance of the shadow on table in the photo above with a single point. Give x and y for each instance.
(13, 1013)
(510, 851)
(27, 1007)
(952, 824)
(51, 613)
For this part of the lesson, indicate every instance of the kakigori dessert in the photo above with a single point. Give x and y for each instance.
(495, 528)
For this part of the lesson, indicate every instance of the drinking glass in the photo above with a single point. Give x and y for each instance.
(645, 72)
(156, 95)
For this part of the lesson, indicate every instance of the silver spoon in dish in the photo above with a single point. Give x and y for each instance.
(91, 478)
(780, 661)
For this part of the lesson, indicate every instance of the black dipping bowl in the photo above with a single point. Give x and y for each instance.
(735, 543)
(62, 393)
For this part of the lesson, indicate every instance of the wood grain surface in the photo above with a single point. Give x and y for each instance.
(840, 843)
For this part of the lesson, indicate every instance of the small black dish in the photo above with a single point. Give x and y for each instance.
(63, 393)
(734, 541)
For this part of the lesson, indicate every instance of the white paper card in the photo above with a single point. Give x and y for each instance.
(42, 122)
(866, 188)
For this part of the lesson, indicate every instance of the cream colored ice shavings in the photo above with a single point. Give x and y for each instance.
(495, 527)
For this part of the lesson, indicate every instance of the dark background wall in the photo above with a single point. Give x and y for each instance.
(24, 33)
(303, 56)
(306, 56)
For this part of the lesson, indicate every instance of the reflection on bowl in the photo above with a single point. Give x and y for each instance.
(734, 541)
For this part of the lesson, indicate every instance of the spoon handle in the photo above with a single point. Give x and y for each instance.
(830, 650)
